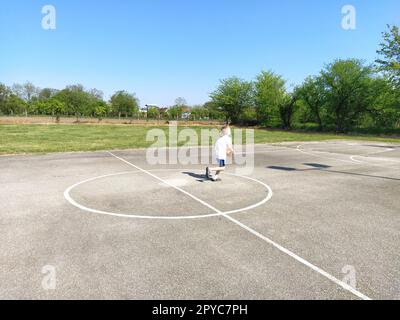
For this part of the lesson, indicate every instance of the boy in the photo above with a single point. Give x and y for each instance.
(223, 148)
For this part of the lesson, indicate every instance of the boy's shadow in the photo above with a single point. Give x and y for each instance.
(199, 177)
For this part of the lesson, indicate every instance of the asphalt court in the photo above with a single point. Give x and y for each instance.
(130, 230)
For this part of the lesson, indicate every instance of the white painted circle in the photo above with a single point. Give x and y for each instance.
(127, 215)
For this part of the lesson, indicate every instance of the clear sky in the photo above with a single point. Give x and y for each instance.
(163, 49)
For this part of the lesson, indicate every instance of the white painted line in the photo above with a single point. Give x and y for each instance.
(320, 156)
(380, 159)
(68, 197)
(352, 158)
(375, 158)
(357, 161)
(264, 151)
(165, 182)
(340, 283)
(301, 260)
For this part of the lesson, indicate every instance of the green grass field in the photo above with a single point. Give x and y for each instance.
(20, 139)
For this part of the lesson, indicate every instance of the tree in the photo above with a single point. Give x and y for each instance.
(56, 108)
(175, 112)
(346, 84)
(51, 106)
(287, 108)
(26, 92)
(100, 109)
(95, 104)
(125, 103)
(200, 112)
(214, 112)
(178, 108)
(47, 93)
(15, 105)
(384, 107)
(75, 99)
(233, 97)
(153, 113)
(38, 107)
(96, 94)
(313, 94)
(270, 94)
(4, 97)
(181, 102)
(390, 54)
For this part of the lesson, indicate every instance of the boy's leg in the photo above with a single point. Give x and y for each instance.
(216, 169)
(208, 173)
(221, 165)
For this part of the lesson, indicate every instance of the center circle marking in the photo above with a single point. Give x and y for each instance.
(67, 195)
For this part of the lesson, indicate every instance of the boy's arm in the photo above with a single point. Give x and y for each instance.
(230, 147)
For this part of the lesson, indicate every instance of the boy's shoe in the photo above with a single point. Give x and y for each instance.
(208, 175)
(216, 179)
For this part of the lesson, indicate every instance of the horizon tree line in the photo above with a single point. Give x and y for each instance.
(346, 94)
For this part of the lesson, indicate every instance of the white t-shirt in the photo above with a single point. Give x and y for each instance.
(221, 147)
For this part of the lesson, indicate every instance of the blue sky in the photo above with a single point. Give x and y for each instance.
(163, 49)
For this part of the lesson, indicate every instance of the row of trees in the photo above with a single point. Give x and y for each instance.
(182, 110)
(346, 94)
(72, 101)
(27, 99)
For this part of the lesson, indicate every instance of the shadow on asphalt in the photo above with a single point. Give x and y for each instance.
(198, 177)
(324, 168)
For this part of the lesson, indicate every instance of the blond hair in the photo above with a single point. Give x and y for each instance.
(226, 130)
